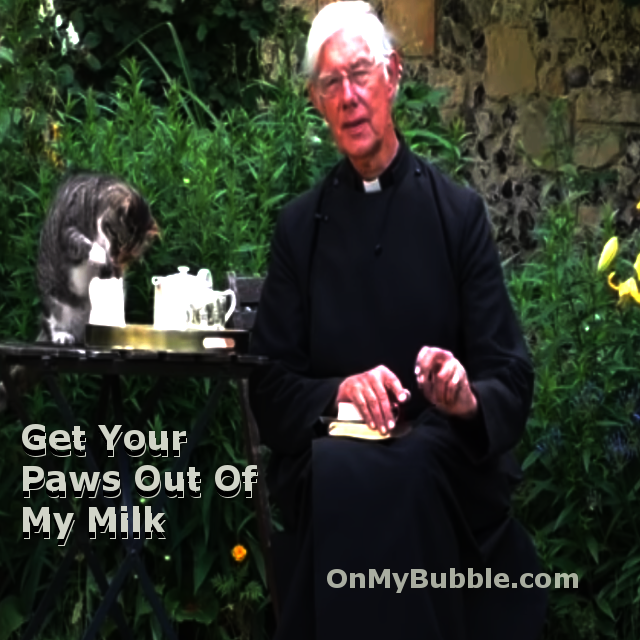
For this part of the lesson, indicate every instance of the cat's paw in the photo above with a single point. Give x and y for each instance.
(62, 337)
(97, 255)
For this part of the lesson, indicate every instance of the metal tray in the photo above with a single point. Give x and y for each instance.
(144, 336)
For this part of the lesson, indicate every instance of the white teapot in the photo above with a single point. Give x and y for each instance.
(174, 296)
(183, 301)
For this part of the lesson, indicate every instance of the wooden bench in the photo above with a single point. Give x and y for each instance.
(248, 291)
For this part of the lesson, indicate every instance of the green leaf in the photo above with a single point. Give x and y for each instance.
(91, 40)
(631, 562)
(77, 612)
(605, 607)
(586, 455)
(429, 135)
(10, 617)
(592, 544)
(530, 459)
(202, 561)
(65, 75)
(5, 122)
(156, 629)
(563, 516)
(78, 21)
(6, 54)
(92, 62)
(201, 33)
(164, 6)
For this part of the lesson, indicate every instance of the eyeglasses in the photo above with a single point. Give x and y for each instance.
(330, 86)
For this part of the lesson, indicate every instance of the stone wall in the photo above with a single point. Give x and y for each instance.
(504, 63)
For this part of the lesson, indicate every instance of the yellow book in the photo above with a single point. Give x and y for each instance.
(350, 424)
(356, 430)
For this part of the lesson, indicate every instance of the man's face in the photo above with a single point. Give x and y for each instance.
(359, 116)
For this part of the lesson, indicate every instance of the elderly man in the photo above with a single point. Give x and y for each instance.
(385, 290)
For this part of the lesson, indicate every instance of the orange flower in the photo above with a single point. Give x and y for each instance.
(239, 553)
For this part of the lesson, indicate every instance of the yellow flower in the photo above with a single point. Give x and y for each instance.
(55, 132)
(608, 254)
(636, 265)
(627, 289)
(239, 553)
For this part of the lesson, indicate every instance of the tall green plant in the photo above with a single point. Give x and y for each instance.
(581, 451)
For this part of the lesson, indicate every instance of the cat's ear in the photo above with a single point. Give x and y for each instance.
(107, 228)
(153, 230)
(125, 218)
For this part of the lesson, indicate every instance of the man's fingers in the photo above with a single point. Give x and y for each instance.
(393, 384)
(386, 413)
(363, 407)
(446, 386)
(371, 393)
(375, 420)
(430, 361)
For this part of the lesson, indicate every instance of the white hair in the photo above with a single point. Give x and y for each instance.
(355, 16)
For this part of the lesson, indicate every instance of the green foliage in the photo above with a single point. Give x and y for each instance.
(563, 178)
(220, 41)
(581, 451)
(417, 115)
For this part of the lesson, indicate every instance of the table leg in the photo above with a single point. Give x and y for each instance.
(260, 499)
(110, 386)
(126, 633)
(70, 421)
(152, 597)
(195, 435)
(81, 538)
(133, 545)
(109, 598)
(13, 398)
(124, 467)
(60, 576)
(52, 592)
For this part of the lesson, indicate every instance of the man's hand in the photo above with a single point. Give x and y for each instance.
(370, 392)
(444, 382)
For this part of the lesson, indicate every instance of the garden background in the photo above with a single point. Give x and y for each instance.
(199, 105)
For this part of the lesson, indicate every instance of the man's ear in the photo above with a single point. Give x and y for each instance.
(315, 99)
(394, 71)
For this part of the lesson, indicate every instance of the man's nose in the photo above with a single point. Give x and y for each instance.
(348, 93)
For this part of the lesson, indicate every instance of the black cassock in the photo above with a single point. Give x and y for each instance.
(358, 279)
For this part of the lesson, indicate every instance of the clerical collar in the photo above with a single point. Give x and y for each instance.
(371, 187)
(391, 175)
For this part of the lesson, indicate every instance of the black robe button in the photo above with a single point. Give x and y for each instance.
(418, 171)
(326, 218)
(335, 182)
(378, 250)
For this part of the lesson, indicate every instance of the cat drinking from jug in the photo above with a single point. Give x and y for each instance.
(96, 226)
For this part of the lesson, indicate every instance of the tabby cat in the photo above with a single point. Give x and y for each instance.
(96, 226)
